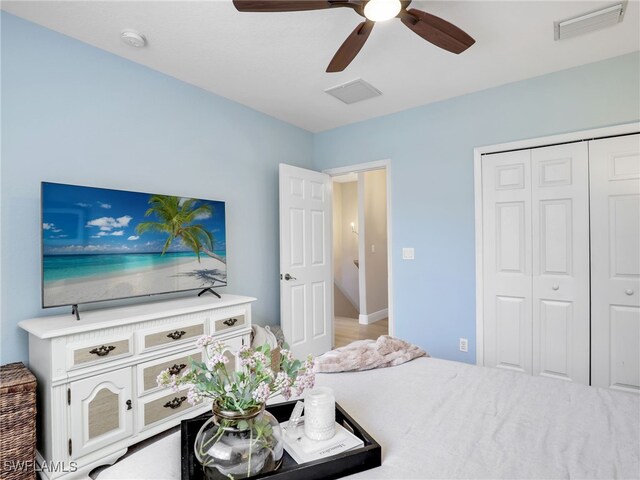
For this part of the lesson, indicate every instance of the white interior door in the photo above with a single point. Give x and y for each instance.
(506, 203)
(560, 232)
(614, 165)
(306, 284)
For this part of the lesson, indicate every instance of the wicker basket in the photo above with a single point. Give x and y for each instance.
(17, 422)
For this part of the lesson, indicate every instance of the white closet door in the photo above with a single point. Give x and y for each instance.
(614, 165)
(560, 232)
(506, 192)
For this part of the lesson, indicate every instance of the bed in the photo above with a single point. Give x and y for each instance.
(441, 419)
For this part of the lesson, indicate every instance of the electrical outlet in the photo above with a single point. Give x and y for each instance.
(407, 254)
(464, 345)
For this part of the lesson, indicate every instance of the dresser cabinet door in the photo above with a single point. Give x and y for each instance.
(100, 411)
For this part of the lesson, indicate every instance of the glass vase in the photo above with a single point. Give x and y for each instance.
(237, 445)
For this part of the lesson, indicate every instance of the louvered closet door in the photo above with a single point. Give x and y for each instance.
(506, 193)
(560, 232)
(615, 262)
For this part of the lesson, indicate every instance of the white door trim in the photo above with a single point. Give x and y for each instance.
(362, 254)
(364, 167)
(591, 134)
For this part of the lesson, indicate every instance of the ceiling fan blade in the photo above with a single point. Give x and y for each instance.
(436, 30)
(351, 46)
(281, 5)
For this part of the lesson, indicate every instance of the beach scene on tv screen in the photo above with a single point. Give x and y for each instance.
(100, 244)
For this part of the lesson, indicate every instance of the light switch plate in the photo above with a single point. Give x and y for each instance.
(407, 254)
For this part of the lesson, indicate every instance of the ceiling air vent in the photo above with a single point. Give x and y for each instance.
(590, 22)
(354, 91)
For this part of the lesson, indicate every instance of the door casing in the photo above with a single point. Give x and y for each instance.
(364, 167)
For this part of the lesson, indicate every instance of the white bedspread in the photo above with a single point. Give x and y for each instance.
(441, 419)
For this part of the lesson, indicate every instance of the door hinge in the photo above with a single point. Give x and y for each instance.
(70, 447)
(68, 396)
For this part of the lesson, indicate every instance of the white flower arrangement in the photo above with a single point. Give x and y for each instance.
(243, 389)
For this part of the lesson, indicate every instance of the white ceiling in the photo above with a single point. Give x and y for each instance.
(275, 62)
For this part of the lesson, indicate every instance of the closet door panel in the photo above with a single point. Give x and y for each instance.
(507, 260)
(625, 345)
(560, 236)
(614, 165)
(554, 330)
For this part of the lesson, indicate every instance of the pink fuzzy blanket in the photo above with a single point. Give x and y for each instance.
(386, 351)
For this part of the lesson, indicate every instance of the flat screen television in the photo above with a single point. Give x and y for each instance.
(100, 244)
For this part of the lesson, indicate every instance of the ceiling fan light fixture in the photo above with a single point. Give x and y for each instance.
(381, 10)
(433, 29)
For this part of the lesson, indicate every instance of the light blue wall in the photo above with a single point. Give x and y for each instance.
(431, 152)
(75, 114)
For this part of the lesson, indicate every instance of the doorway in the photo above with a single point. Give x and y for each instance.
(360, 253)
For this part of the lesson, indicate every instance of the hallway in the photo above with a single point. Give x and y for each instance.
(348, 329)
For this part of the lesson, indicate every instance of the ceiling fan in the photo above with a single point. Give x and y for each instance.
(433, 29)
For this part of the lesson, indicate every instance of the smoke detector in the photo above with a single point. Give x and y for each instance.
(354, 91)
(589, 22)
(133, 38)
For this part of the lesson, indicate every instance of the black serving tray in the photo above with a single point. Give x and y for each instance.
(336, 466)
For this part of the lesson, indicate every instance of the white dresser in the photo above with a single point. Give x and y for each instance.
(97, 391)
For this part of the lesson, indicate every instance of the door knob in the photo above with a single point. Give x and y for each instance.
(556, 286)
(289, 277)
(628, 291)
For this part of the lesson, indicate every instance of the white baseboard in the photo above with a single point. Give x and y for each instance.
(373, 317)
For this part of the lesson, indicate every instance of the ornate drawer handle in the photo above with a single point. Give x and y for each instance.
(175, 403)
(230, 322)
(176, 369)
(102, 351)
(177, 334)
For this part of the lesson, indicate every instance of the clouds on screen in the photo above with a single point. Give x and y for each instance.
(106, 224)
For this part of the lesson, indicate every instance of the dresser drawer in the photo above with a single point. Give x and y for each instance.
(156, 410)
(148, 372)
(98, 352)
(236, 321)
(181, 334)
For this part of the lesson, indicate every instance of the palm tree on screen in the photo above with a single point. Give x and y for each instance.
(176, 218)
